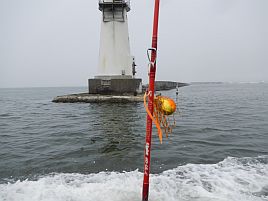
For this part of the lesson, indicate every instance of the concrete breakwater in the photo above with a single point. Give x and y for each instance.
(97, 98)
(100, 98)
(168, 85)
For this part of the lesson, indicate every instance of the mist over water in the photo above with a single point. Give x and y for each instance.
(52, 151)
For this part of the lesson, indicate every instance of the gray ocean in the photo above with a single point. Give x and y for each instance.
(94, 152)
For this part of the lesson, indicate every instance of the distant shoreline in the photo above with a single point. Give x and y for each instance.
(188, 83)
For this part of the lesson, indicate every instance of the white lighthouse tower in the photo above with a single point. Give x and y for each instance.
(116, 68)
(114, 54)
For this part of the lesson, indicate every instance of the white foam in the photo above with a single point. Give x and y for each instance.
(244, 179)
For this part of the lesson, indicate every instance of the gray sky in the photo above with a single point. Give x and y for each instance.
(56, 42)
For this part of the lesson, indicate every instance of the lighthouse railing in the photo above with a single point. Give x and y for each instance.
(116, 2)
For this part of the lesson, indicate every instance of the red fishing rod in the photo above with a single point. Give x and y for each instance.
(150, 93)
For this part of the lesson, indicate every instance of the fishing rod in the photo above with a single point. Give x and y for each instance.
(150, 93)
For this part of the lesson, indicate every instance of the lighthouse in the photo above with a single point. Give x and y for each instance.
(116, 66)
(115, 80)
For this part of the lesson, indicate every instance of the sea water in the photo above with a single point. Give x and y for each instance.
(76, 152)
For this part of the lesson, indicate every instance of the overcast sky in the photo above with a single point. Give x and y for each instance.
(56, 42)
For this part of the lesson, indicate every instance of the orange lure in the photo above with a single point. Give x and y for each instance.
(163, 107)
(165, 104)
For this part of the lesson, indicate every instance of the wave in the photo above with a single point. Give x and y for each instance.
(233, 179)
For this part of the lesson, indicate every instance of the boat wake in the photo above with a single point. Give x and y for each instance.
(233, 179)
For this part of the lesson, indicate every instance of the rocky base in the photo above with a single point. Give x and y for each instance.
(97, 98)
